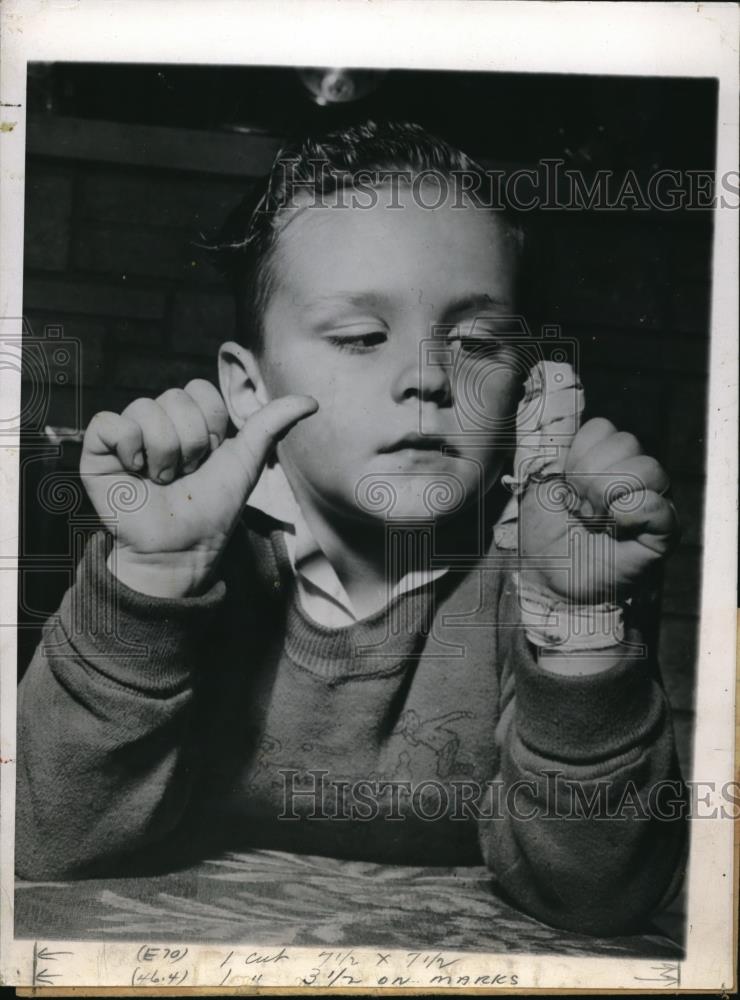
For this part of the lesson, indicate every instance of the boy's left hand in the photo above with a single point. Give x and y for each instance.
(591, 535)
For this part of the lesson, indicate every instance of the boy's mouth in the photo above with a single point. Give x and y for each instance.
(420, 442)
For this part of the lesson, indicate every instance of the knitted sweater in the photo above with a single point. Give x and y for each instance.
(154, 730)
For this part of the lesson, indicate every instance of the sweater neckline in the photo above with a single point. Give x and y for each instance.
(380, 644)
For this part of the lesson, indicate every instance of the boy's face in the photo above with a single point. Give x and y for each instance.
(356, 293)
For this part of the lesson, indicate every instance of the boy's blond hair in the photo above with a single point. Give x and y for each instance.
(314, 171)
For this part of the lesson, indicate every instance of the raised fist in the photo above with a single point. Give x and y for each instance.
(592, 530)
(186, 483)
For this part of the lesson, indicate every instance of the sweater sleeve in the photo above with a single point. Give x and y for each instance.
(592, 834)
(104, 712)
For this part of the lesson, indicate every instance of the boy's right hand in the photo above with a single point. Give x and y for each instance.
(168, 539)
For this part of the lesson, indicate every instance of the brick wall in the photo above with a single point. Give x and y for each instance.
(112, 214)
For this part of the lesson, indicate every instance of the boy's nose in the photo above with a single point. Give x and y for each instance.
(424, 379)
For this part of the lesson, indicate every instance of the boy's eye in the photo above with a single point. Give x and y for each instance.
(470, 335)
(359, 343)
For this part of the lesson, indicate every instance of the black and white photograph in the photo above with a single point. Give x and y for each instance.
(370, 580)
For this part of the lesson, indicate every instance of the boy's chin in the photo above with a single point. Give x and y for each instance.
(413, 496)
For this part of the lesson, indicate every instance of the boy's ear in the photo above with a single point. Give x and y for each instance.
(241, 384)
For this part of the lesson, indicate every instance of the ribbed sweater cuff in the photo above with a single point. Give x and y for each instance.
(137, 640)
(591, 717)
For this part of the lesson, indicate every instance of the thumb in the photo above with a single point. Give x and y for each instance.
(265, 428)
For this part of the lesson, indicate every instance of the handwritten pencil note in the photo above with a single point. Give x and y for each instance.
(150, 965)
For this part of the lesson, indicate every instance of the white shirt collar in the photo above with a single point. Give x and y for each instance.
(320, 590)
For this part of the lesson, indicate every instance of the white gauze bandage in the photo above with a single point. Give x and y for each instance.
(548, 418)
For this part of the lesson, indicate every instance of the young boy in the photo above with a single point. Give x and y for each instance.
(318, 645)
